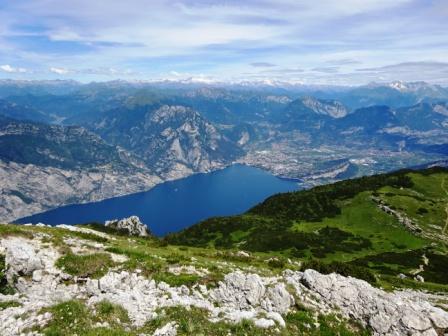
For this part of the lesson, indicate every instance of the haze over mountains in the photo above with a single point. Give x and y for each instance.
(106, 139)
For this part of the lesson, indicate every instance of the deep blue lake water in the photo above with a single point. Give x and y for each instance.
(172, 206)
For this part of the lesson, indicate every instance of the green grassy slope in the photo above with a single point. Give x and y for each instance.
(390, 223)
(153, 259)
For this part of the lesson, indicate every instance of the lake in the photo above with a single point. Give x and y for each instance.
(175, 205)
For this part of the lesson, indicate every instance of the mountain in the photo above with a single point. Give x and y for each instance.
(367, 120)
(394, 94)
(227, 106)
(55, 146)
(308, 114)
(316, 134)
(424, 116)
(22, 112)
(9, 87)
(330, 108)
(414, 127)
(45, 166)
(420, 89)
(386, 223)
(172, 139)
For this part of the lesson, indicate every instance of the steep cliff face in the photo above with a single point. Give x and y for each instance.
(28, 189)
(43, 166)
(330, 108)
(174, 140)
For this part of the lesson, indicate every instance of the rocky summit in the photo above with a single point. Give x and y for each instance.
(93, 280)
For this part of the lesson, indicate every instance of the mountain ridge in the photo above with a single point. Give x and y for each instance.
(382, 222)
(44, 166)
(292, 134)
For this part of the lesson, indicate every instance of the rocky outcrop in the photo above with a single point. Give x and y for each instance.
(132, 225)
(384, 313)
(21, 258)
(30, 267)
(401, 218)
(240, 296)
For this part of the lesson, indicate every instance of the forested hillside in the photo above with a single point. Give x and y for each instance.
(390, 223)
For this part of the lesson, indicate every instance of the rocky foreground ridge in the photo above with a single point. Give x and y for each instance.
(49, 271)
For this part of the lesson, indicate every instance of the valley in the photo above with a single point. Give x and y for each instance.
(330, 247)
(132, 136)
(195, 198)
(223, 168)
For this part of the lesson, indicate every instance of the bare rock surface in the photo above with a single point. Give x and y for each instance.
(49, 187)
(30, 268)
(169, 329)
(385, 313)
(132, 225)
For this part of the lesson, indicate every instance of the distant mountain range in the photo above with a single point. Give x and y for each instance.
(158, 131)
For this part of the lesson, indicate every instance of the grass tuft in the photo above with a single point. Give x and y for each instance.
(91, 265)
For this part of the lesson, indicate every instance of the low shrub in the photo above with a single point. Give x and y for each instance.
(90, 265)
(176, 280)
(276, 263)
(5, 288)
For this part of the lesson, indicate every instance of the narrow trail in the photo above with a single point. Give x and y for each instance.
(446, 207)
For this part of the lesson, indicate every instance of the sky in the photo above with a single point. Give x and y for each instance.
(336, 42)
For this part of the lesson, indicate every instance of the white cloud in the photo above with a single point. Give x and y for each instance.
(100, 71)
(223, 39)
(10, 69)
(59, 71)
(106, 72)
(429, 71)
(263, 65)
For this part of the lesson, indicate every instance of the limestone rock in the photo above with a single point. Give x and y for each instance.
(419, 278)
(278, 299)
(242, 254)
(169, 329)
(264, 323)
(240, 296)
(21, 258)
(240, 290)
(37, 275)
(132, 225)
(385, 313)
